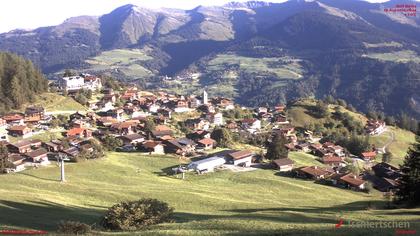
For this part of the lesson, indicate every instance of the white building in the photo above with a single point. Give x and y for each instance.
(215, 118)
(86, 81)
(71, 83)
(207, 165)
(205, 98)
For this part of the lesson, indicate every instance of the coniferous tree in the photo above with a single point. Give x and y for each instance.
(4, 162)
(409, 191)
(276, 148)
(222, 136)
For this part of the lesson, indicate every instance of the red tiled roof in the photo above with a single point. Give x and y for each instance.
(18, 128)
(206, 141)
(162, 128)
(369, 154)
(352, 180)
(75, 131)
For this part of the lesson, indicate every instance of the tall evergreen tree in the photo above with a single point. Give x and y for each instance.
(409, 191)
(222, 136)
(276, 148)
(4, 162)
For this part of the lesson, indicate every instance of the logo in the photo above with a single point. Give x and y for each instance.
(340, 219)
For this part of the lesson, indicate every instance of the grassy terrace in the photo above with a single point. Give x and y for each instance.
(128, 61)
(402, 141)
(257, 202)
(55, 102)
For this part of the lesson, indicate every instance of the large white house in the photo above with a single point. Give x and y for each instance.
(84, 81)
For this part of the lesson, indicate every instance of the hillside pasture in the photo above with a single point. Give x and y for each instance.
(258, 202)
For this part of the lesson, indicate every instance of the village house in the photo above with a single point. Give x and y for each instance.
(331, 160)
(32, 120)
(153, 147)
(280, 120)
(3, 131)
(375, 127)
(232, 125)
(132, 139)
(79, 133)
(337, 150)
(198, 135)
(279, 108)
(106, 121)
(194, 102)
(17, 162)
(351, 181)
(124, 128)
(240, 158)
(206, 143)
(24, 146)
(84, 81)
(91, 82)
(223, 103)
(386, 170)
(70, 153)
(34, 111)
(116, 113)
(197, 124)
(180, 146)
(283, 164)
(14, 119)
(313, 172)
(251, 125)
(53, 146)
(20, 130)
(368, 156)
(304, 147)
(215, 118)
(207, 165)
(38, 156)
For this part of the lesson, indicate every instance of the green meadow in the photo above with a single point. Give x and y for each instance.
(259, 202)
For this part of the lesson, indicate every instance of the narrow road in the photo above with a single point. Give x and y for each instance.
(391, 139)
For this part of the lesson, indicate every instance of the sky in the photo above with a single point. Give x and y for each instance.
(30, 14)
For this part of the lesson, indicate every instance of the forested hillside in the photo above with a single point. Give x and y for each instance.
(20, 81)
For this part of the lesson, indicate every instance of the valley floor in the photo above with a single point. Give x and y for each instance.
(236, 203)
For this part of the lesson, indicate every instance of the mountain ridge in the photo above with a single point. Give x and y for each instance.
(284, 39)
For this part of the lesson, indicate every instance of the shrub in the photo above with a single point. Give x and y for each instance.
(135, 215)
(73, 227)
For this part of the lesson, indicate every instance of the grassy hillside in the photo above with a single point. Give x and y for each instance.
(53, 102)
(126, 61)
(396, 56)
(257, 202)
(401, 139)
(400, 144)
(300, 113)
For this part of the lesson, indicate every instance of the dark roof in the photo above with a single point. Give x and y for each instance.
(151, 144)
(132, 136)
(352, 179)
(241, 154)
(185, 141)
(314, 170)
(72, 151)
(37, 153)
(24, 143)
(283, 162)
(161, 133)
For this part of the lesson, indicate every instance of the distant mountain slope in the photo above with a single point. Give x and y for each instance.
(350, 49)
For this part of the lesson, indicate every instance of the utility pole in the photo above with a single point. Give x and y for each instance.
(63, 177)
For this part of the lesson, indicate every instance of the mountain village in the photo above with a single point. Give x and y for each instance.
(149, 123)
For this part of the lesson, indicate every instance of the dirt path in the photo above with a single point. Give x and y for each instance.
(391, 139)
